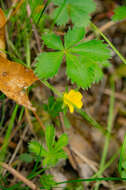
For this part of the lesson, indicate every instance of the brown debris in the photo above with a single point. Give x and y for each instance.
(14, 79)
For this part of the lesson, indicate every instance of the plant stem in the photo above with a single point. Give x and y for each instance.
(47, 3)
(92, 121)
(52, 88)
(109, 128)
(3, 114)
(8, 134)
(94, 179)
(108, 41)
(28, 54)
(106, 165)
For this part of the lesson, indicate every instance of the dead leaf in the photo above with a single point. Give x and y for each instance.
(2, 32)
(14, 79)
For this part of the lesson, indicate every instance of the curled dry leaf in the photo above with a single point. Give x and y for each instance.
(14, 79)
(2, 32)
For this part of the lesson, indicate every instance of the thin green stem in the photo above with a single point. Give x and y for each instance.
(13, 48)
(107, 164)
(94, 179)
(52, 88)
(3, 114)
(92, 121)
(2, 4)
(109, 128)
(42, 13)
(108, 41)
(21, 115)
(28, 52)
(8, 134)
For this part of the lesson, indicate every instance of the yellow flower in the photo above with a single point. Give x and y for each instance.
(73, 98)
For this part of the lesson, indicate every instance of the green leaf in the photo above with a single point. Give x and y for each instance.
(61, 155)
(66, 121)
(98, 74)
(57, 2)
(62, 141)
(124, 165)
(123, 174)
(122, 157)
(84, 60)
(50, 136)
(47, 64)
(61, 15)
(119, 13)
(47, 181)
(95, 50)
(36, 148)
(52, 41)
(77, 11)
(54, 106)
(106, 64)
(80, 71)
(73, 36)
(25, 157)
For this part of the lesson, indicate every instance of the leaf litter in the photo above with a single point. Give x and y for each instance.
(14, 77)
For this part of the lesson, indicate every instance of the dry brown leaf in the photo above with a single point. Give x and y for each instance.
(2, 32)
(14, 79)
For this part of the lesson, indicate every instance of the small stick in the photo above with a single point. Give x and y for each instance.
(39, 120)
(19, 176)
(29, 121)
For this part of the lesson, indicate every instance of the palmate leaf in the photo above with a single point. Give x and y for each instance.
(48, 64)
(77, 11)
(84, 71)
(54, 149)
(47, 181)
(36, 148)
(53, 41)
(62, 141)
(80, 71)
(72, 37)
(119, 13)
(94, 49)
(84, 60)
(50, 136)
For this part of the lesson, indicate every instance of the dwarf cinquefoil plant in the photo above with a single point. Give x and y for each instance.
(54, 149)
(84, 60)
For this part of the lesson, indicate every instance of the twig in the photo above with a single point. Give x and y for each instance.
(29, 121)
(19, 176)
(39, 120)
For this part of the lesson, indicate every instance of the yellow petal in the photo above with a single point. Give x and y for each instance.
(73, 97)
